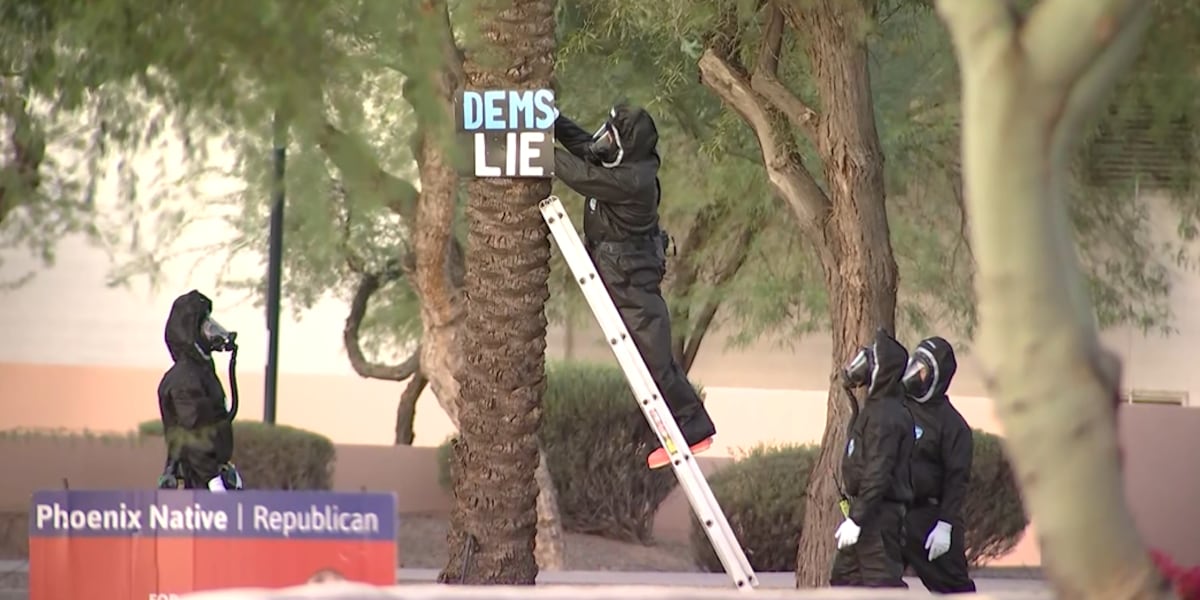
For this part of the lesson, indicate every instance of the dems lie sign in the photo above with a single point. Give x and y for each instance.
(510, 133)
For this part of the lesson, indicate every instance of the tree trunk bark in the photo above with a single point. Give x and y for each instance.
(860, 270)
(1029, 87)
(847, 223)
(504, 337)
(438, 281)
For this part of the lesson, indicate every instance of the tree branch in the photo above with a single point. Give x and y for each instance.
(684, 273)
(1086, 96)
(765, 79)
(406, 409)
(1063, 38)
(789, 178)
(22, 175)
(363, 175)
(978, 26)
(729, 268)
(439, 259)
(367, 286)
(1019, 130)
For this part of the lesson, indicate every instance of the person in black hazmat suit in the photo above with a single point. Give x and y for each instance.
(876, 477)
(196, 423)
(941, 469)
(616, 171)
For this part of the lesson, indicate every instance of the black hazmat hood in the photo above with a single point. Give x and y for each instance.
(945, 364)
(890, 361)
(637, 132)
(183, 325)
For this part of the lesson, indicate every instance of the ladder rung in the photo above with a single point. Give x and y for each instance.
(654, 408)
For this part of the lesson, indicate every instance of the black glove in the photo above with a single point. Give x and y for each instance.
(169, 480)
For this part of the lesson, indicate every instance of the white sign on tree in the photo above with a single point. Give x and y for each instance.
(510, 132)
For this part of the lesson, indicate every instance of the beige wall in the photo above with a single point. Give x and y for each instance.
(67, 315)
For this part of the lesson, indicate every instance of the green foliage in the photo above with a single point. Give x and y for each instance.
(914, 83)
(111, 78)
(762, 495)
(596, 441)
(763, 498)
(275, 457)
(993, 511)
(69, 435)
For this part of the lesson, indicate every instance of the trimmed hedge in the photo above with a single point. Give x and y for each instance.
(596, 441)
(275, 457)
(763, 498)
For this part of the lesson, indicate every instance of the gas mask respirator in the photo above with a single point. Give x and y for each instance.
(606, 147)
(920, 376)
(857, 372)
(215, 338)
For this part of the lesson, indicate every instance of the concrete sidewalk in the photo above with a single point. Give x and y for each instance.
(13, 580)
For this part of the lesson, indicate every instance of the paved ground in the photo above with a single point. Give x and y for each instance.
(12, 573)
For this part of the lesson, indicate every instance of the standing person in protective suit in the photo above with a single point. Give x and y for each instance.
(875, 471)
(196, 424)
(941, 469)
(616, 171)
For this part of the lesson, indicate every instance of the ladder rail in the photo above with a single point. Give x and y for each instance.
(633, 365)
(650, 400)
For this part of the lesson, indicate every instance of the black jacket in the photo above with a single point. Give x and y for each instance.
(941, 461)
(621, 201)
(875, 467)
(191, 400)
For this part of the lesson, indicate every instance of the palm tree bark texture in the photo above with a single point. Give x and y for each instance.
(1031, 84)
(846, 221)
(434, 263)
(504, 337)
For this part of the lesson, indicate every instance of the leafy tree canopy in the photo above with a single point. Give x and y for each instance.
(110, 78)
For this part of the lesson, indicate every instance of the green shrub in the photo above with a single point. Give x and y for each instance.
(596, 441)
(275, 457)
(993, 513)
(763, 498)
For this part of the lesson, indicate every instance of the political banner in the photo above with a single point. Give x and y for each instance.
(161, 544)
(509, 133)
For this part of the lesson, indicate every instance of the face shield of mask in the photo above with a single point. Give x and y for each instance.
(857, 372)
(216, 338)
(918, 378)
(606, 146)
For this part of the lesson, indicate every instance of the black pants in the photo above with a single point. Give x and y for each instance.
(948, 573)
(877, 559)
(632, 273)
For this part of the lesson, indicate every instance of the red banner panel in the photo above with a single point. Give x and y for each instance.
(159, 544)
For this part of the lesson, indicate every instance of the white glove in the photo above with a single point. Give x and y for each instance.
(938, 540)
(847, 534)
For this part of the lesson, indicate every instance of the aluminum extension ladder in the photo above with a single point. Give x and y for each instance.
(695, 486)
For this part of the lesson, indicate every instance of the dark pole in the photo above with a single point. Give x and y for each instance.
(274, 270)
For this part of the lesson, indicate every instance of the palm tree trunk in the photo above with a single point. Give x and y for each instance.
(504, 337)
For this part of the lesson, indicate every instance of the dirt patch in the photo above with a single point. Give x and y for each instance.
(421, 543)
(14, 536)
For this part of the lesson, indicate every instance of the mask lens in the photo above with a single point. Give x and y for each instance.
(604, 147)
(858, 370)
(918, 377)
(215, 336)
